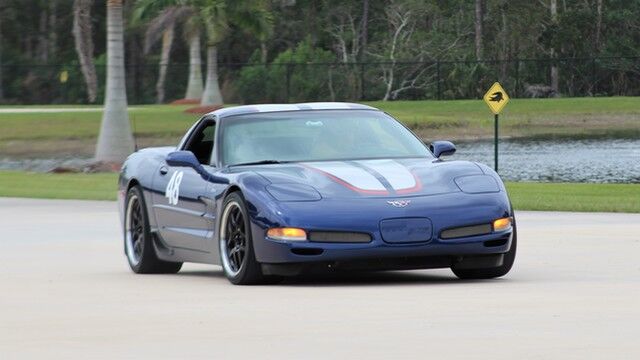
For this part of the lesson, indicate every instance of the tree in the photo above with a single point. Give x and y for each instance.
(554, 66)
(1, 86)
(82, 33)
(115, 141)
(598, 25)
(194, 85)
(251, 16)
(165, 15)
(478, 29)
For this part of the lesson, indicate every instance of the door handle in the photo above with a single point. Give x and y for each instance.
(163, 170)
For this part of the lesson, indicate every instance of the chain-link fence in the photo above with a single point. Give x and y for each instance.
(256, 83)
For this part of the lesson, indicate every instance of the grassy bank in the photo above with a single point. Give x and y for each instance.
(575, 197)
(58, 186)
(525, 196)
(616, 117)
(49, 134)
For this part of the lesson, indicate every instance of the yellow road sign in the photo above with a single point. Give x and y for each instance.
(64, 76)
(496, 98)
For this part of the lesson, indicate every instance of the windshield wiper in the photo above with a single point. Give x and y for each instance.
(260, 162)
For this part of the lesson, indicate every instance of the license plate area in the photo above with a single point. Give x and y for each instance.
(406, 230)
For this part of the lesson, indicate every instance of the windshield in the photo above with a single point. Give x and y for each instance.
(317, 136)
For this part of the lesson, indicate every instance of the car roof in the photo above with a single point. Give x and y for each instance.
(251, 109)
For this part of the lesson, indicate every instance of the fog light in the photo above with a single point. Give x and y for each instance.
(502, 224)
(289, 234)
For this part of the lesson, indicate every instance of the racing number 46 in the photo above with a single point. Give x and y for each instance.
(172, 193)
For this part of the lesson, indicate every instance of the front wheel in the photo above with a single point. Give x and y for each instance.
(490, 273)
(138, 243)
(236, 244)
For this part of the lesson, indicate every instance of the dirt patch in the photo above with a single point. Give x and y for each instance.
(102, 166)
(69, 148)
(185, 102)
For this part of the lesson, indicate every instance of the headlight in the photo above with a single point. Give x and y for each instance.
(293, 192)
(502, 224)
(288, 234)
(477, 184)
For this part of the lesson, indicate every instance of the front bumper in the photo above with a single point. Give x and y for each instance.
(445, 211)
(477, 251)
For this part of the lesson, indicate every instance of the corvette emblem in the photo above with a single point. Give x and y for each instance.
(399, 203)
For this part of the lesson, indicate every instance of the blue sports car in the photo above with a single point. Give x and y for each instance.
(268, 191)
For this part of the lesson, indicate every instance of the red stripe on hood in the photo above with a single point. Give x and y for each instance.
(345, 183)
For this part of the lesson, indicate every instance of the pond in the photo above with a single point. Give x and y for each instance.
(597, 161)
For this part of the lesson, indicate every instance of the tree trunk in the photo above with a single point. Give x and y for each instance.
(167, 42)
(364, 31)
(53, 34)
(554, 65)
(115, 141)
(264, 52)
(364, 38)
(1, 91)
(598, 24)
(212, 95)
(82, 33)
(478, 28)
(194, 87)
(504, 56)
(43, 39)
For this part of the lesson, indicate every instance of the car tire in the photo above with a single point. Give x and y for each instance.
(237, 255)
(138, 240)
(490, 273)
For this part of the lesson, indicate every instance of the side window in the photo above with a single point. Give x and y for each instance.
(201, 142)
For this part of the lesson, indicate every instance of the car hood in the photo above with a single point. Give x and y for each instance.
(365, 178)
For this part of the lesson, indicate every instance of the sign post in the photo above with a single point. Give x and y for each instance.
(496, 99)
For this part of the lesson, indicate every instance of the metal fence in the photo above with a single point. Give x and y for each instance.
(293, 82)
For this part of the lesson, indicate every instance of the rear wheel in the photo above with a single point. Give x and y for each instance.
(490, 273)
(138, 242)
(236, 244)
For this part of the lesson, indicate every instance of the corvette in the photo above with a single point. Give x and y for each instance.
(270, 190)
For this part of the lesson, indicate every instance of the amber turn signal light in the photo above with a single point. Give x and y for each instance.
(290, 234)
(502, 224)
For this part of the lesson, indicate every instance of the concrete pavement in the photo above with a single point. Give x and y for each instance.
(66, 292)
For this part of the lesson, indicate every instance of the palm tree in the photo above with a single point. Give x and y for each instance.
(194, 86)
(165, 16)
(83, 36)
(115, 141)
(252, 16)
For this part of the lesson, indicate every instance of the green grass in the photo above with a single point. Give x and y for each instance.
(614, 117)
(575, 197)
(457, 119)
(148, 120)
(58, 186)
(476, 110)
(525, 196)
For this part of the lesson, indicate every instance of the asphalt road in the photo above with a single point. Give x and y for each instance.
(66, 292)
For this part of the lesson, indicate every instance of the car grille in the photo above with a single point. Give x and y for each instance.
(339, 237)
(465, 231)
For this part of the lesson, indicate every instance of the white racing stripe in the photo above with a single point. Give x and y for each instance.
(325, 105)
(352, 175)
(396, 174)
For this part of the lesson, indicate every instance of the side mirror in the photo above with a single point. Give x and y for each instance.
(440, 148)
(183, 158)
(188, 159)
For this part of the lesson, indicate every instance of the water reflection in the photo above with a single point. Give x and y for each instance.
(598, 161)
